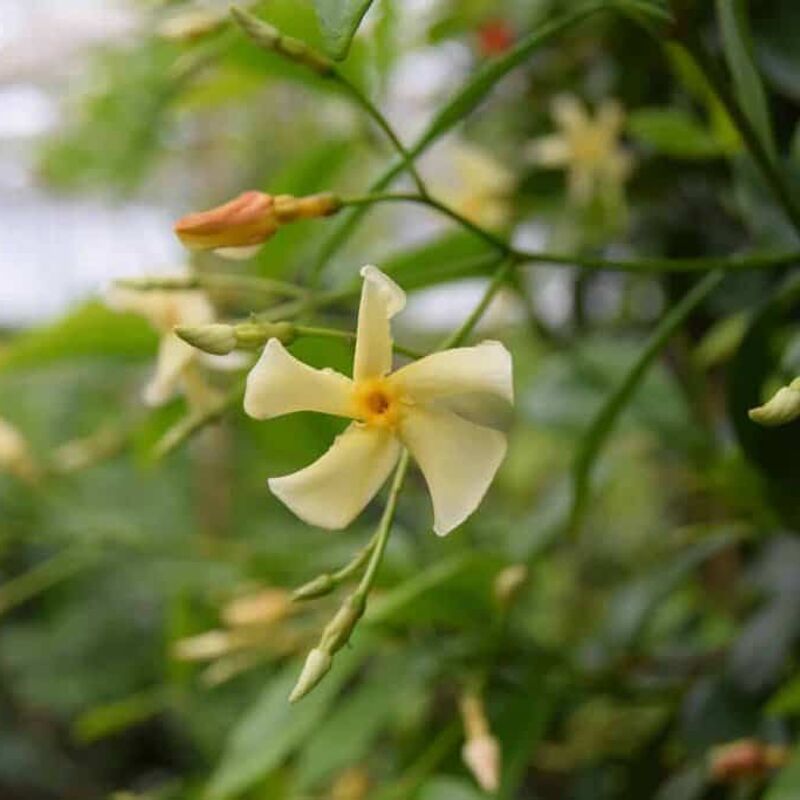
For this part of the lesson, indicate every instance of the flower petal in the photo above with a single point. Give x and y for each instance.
(174, 355)
(280, 384)
(458, 459)
(333, 490)
(549, 151)
(484, 368)
(381, 299)
(569, 113)
(161, 308)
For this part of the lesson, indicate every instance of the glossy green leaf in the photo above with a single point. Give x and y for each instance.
(786, 785)
(92, 330)
(747, 81)
(272, 729)
(339, 21)
(602, 425)
(673, 132)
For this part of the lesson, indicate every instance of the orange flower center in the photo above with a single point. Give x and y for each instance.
(378, 403)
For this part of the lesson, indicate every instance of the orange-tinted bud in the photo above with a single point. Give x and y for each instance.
(247, 220)
(495, 37)
(745, 759)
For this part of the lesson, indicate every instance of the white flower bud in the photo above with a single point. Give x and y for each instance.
(316, 667)
(482, 757)
(783, 407)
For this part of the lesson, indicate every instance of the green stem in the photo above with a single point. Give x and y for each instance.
(349, 336)
(372, 110)
(244, 283)
(603, 422)
(42, 577)
(458, 337)
(381, 537)
(764, 162)
(640, 265)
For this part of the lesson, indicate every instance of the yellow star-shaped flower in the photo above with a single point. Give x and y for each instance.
(420, 406)
(588, 148)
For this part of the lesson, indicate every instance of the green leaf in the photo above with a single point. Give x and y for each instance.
(441, 788)
(786, 700)
(633, 605)
(348, 733)
(675, 133)
(91, 330)
(602, 425)
(272, 729)
(339, 21)
(786, 785)
(463, 102)
(739, 55)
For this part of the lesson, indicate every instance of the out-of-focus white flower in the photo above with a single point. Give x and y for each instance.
(478, 186)
(588, 148)
(15, 455)
(176, 366)
(411, 407)
(781, 408)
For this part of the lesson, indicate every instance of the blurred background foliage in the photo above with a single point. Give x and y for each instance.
(661, 626)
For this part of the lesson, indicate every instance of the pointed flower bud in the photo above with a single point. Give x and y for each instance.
(220, 339)
(316, 667)
(265, 607)
(239, 227)
(338, 630)
(482, 757)
(508, 583)
(783, 407)
(246, 221)
(318, 587)
(217, 339)
(270, 38)
(481, 751)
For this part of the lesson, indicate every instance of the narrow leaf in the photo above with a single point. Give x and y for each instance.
(739, 55)
(339, 21)
(604, 422)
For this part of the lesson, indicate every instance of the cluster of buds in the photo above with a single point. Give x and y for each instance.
(746, 759)
(251, 630)
(783, 407)
(238, 228)
(481, 751)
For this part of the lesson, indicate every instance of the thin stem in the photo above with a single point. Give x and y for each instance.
(384, 529)
(193, 422)
(334, 333)
(244, 283)
(603, 423)
(768, 167)
(42, 577)
(458, 337)
(640, 265)
(374, 112)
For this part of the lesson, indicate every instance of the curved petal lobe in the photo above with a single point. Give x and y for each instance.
(333, 490)
(381, 299)
(280, 384)
(174, 355)
(484, 368)
(458, 459)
